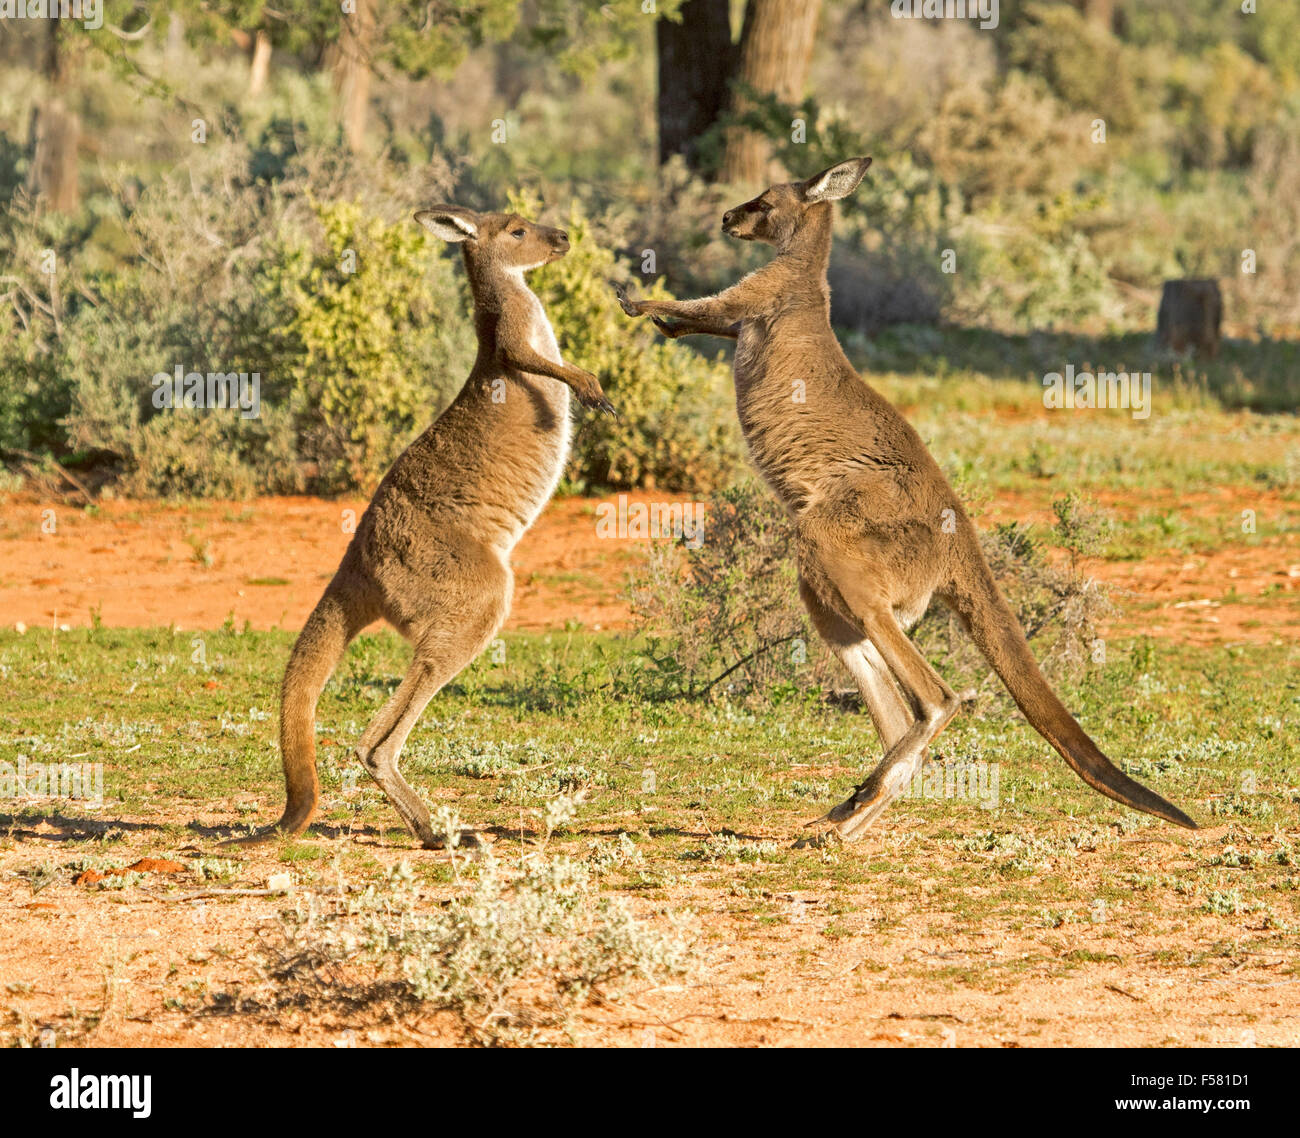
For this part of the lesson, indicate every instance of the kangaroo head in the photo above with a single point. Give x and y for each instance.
(502, 240)
(779, 212)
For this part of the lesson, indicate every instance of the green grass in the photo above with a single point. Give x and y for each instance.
(1254, 375)
(984, 417)
(1211, 728)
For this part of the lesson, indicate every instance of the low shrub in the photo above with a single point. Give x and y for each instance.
(512, 955)
(726, 619)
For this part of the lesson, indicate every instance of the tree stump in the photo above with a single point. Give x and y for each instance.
(1191, 312)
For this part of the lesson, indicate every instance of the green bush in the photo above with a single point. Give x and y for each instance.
(676, 427)
(1085, 66)
(350, 364)
(34, 304)
(726, 620)
(365, 339)
(359, 326)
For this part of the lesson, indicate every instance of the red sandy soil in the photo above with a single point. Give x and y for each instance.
(139, 965)
(142, 564)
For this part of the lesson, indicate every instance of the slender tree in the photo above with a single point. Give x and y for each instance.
(353, 70)
(703, 75)
(56, 131)
(1099, 12)
(695, 60)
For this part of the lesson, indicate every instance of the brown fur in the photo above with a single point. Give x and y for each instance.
(431, 553)
(879, 531)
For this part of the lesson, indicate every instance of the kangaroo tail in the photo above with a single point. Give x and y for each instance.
(315, 655)
(997, 633)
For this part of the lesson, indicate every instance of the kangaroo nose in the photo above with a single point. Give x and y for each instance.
(728, 218)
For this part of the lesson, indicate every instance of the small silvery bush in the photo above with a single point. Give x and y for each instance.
(510, 955)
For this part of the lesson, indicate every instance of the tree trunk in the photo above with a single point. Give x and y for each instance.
(509, 73)
(1190, 316)
(775, 49)
(174, 49)
(259, 69)
(1099, 12)
(695, 60)
(352, 74)
(56, 134)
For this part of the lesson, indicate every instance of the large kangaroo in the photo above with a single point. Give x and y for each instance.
(431, 554)
(878, 529)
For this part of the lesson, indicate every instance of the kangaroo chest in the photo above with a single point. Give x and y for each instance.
(772, 405)
(540, 333)
(550, 445)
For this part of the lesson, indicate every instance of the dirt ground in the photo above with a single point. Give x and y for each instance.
(119, 960)
(108, 964)
(143, 564)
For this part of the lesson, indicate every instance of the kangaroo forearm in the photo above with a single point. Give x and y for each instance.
(585, 385)
(714, 311)
(537, 364)
(675, 327)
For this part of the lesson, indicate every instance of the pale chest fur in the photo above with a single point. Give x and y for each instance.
(555, 445)
(540, 333)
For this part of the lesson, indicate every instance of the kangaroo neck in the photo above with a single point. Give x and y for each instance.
(492, 285)
(495, 288)
(797, 274)
(809, 249)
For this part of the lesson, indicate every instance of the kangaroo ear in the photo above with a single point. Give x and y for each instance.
(836, 181)
(449, 222)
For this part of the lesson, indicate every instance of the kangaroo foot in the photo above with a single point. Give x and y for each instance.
(854, 815)
(851, 818)
(469, 840)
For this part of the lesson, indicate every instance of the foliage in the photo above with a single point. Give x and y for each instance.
(988, 205)
(509, 955)
(1083, 65)
(727, 619)
(359, 338)
(1011, 141)
(37, 294)
(232, 274)
(674, 428)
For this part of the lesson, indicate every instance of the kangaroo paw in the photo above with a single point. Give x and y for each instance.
(851, 818)
(469, 840)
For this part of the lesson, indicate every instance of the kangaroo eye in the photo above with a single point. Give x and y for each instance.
(517, 232)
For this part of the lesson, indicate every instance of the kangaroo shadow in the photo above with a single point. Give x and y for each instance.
(23, 825)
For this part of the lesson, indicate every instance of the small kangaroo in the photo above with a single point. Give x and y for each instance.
(431, 554)
(878, 529)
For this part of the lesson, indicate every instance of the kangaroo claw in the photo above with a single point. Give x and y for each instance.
(629, 306)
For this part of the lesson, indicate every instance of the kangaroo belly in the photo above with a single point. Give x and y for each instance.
(816, 430)
(482, 472)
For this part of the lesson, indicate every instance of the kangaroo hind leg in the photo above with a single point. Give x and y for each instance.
(346, 607)
(888, 712)
(888, 662)
(464, 624)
